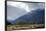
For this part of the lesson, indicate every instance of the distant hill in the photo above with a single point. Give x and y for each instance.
(36, 17)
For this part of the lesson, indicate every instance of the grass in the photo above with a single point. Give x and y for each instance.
(25, 26)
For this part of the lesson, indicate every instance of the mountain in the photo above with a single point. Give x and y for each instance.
(36, 17)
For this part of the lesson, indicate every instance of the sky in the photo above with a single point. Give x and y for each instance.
(18, 9)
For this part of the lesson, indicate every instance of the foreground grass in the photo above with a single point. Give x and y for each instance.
(26, 26)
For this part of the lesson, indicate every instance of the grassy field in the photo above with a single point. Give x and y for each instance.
(26, 26)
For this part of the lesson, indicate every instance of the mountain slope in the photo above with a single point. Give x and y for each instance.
(37, 16)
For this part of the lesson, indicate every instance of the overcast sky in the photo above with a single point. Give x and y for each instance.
(18, 9)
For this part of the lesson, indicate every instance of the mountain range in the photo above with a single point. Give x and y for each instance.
(36, 17)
